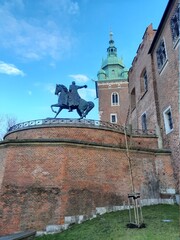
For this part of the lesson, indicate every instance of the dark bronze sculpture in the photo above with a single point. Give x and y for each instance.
(74, 98)
(71, 100)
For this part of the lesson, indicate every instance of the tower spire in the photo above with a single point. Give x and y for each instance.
(112, 67)
(111, 50)
(111, 35)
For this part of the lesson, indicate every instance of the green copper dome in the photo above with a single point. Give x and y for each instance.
(112, 68)
(101, 74)
(101, 71)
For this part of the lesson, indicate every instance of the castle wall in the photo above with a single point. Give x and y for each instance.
(144, 101)
(48, 177)
(2, 164)
(167, 81)
(163, 84)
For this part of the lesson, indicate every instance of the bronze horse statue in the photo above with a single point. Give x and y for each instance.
(82, 109)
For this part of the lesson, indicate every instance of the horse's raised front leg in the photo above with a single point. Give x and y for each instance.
(54, 105)
(58, 112)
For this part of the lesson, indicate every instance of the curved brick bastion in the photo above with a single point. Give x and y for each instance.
(56, 172)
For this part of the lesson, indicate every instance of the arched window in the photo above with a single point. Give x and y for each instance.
(144, 81)
(144, 122)
(133, 99)
(115, 99)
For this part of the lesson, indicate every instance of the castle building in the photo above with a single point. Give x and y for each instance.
(154, 84)
(112, 86)
(147, 97)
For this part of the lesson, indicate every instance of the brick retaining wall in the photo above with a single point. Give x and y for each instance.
(54, 172)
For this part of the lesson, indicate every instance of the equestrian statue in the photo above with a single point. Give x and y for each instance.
(71, 100)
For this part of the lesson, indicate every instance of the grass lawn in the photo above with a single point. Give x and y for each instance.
(112, 226)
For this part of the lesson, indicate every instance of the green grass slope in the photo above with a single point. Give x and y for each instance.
(112, 226)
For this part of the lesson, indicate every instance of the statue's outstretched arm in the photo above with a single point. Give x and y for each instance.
(84, 86)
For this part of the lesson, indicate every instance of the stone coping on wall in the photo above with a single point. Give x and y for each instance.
(82, 132)
(91, 133)
(49, 122)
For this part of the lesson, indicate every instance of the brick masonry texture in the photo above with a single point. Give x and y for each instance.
(144, 101)
(167, 88)
(163, 86)
(105, 90)
(53, 172)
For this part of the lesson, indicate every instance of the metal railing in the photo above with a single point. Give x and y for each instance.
(77, 122)
(143, 132)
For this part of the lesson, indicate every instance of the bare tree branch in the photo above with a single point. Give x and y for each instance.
(6, 121)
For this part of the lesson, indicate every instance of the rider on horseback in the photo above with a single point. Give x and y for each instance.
(83, 107)
(74, 98)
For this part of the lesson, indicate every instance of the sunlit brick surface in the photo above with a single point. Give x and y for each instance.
(50, 173)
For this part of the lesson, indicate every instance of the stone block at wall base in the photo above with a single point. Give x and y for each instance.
(177, 198)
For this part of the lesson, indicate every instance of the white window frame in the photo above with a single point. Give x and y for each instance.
(167, 123)
(113, 115)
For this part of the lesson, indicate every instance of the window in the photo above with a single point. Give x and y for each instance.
(113, 118)
(144, 81)
(144, 122)
(175, 25)
(161, 55)
(168, 122)
(133, 99)
(115, 99)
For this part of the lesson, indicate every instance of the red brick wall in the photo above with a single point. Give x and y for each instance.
(86, 135)
(144, 101)
(105, 90)
(71, 133)
(2, 164)
(47, 180)
(167, 88)
(163, 91)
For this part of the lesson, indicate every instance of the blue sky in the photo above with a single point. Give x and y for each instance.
(44, 42)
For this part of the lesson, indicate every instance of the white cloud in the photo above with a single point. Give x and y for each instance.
(39, 35)
(10, 69)
(49, 87)
(80, 78)
(73, 8)
(87, 93)
(62, 6)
